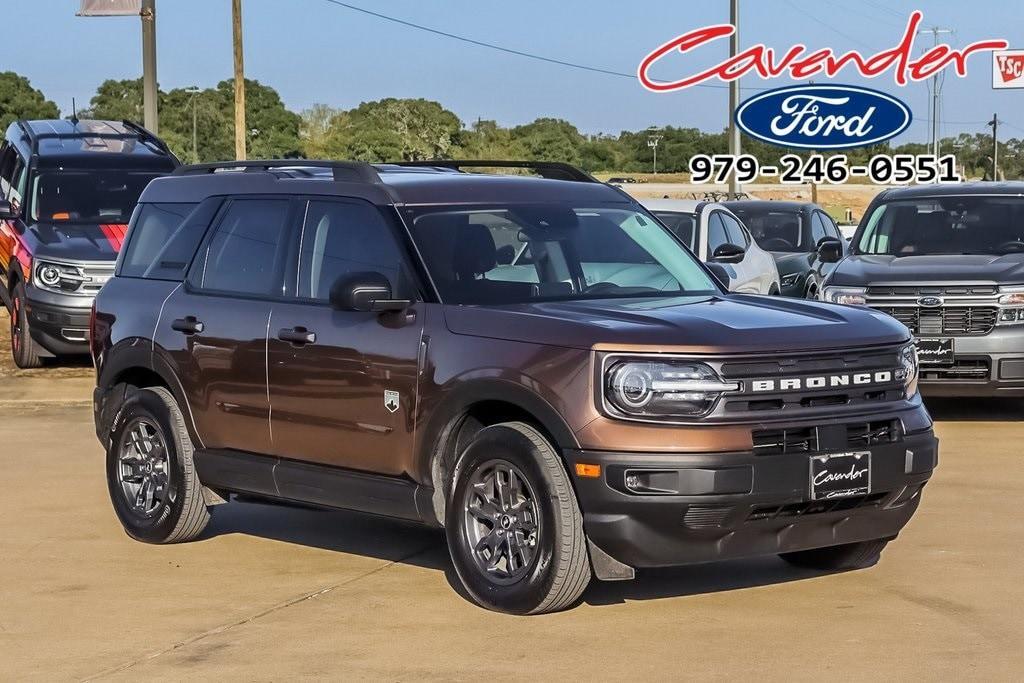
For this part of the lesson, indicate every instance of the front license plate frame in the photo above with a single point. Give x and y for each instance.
(839, 475)
(936, 351)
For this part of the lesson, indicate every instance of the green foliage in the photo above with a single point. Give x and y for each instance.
(19, 100)
(390, 129)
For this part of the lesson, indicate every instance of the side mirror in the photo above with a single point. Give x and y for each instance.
(830, 251)
(505, 255)
(718, 270)
(728, 253)
(6, 210)
(368, 292)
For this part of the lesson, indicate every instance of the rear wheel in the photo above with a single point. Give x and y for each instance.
(812, 291)
(23, 348)
(849, 556)
(150, 473)
(515, 531)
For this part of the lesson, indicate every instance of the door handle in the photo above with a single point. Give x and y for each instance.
(188, 325)
(299, 336)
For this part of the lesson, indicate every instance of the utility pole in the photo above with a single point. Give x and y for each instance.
(937, 81)
(240, 130)
(995, 147)
(652, 141)
(149, 91)
(734, 94)
(194, 91)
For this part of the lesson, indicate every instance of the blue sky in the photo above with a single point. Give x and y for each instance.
(312, 51)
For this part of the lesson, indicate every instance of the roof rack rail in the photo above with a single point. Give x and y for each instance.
(555, 170)
(344, 171)
(147, 136)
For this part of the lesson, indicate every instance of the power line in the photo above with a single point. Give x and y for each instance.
(502, 48)
(838, 32)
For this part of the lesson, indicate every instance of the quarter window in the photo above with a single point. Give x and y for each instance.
(163, 240)
(818, 229)
(717, 235)
(245, 254)
(734, 231)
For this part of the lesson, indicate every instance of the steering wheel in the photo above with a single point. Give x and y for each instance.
(1011, 246)
(776, 244)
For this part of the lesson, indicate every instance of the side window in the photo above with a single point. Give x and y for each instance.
(735, 231)
(716, 232)
(831, 229)
(16, 195)
(245, 254)
(340, 238)
(818, 230)
(8, 159)
(162, 241)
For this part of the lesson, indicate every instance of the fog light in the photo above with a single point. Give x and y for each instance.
(1007, 316)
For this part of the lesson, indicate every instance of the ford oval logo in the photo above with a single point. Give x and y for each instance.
(929, 301)
(823, 116)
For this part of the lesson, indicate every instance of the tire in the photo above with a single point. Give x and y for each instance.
(546, 576)
(812, 292)
(24, 349)
(178, 512)
(849, 556)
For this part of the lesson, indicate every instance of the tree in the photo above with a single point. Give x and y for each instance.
(315, 130)
(19, 100)
(394, 129)
(273, 129)
(549, 139)
(118, 101)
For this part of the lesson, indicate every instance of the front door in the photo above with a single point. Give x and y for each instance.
(343, 383)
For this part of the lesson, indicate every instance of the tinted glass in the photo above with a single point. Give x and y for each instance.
(515, 254)
(682, 225)
(717, 235)
(8, 158)
(776, 230)
(733, 231)
(945, 225)
(340, 238)
(818, 230)
(245, 253)
(101, 196)
(830, 227)
(162, 242)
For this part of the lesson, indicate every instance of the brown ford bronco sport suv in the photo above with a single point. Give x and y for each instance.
(534, 364)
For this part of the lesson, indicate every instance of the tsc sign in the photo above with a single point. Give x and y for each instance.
(1008, 69)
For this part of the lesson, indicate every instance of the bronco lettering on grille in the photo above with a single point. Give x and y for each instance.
(822, 381)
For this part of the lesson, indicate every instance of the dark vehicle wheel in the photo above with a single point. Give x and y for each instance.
(23, 347)
(849, 556)
(774, 291)
(150, 473)
(811, 292)
(514, 527)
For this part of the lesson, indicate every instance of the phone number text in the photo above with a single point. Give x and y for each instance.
(881, 169)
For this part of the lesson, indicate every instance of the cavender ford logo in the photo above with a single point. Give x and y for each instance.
(823, 381)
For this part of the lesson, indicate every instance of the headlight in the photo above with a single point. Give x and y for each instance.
(845, 295)
(57, 277)
(655, 389)
(790, 280)
(1011, 302)
(908, 369)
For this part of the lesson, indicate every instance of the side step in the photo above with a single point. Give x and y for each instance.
(332, 487)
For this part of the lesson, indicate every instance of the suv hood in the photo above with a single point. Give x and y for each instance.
(717, 324)
(863, 270)
(78, 241)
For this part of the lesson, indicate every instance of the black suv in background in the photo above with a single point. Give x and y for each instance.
(67, 190)
(798, 235)
(348, 336)
(947, 261)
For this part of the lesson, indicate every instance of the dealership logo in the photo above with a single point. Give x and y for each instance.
(1008, 69)
(859, 379)
(800, 63)
(823, 116)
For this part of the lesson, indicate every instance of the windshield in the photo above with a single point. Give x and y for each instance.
(100, 196)
(945, 225)
(682, 224)
(517, 254)
(776, 230)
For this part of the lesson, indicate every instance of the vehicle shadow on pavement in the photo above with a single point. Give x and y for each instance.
(715, 577)
(975, 409)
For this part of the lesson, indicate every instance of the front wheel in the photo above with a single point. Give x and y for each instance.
(23, 347)
(515, 531)
(849, 556)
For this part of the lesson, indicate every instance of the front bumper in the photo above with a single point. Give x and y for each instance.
(743, 505)
(59, 322)
(989, 365)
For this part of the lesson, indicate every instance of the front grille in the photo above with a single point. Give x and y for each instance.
(95, 277)
(816, 507)
(950, 321)
(963, 369)
(706, 516)
(932, 290)
(852, 436)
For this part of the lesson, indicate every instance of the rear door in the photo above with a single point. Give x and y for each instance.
(214, 326)
(345, 393)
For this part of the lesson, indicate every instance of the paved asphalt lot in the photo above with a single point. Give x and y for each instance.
(273, 593)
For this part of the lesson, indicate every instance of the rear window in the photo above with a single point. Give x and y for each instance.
(163, 240)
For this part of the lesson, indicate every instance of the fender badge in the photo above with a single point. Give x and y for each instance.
(391, 400)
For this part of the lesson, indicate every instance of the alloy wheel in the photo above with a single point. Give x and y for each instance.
(144, 468)
(502, 523)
